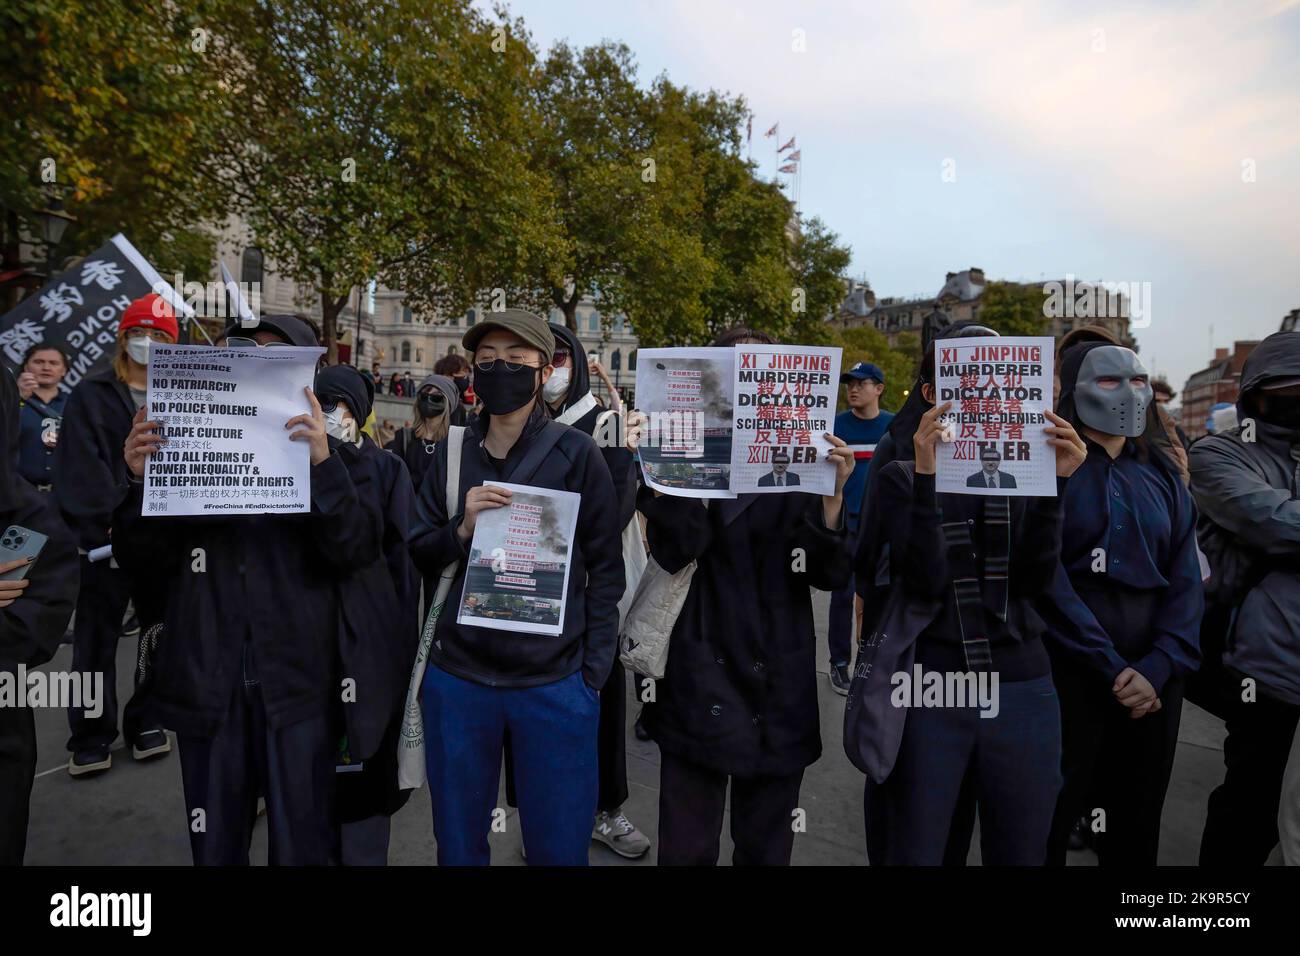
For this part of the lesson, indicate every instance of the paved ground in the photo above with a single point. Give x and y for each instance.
(135, 815)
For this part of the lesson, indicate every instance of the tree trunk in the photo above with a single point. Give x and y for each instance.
(568, 304)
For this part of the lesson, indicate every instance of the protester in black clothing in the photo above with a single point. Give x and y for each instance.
(34, 614)
(1245, 485)
(738, 703)
(434, 406)
(43, 402)
(1124, 610)
(1164, 394)
(999, 747)
(456, 368)
(88, 475)
(251, 688)
(377, 641)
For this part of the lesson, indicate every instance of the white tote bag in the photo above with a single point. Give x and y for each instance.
(411, 768)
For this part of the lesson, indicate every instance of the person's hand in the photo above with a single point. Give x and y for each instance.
(477, 500)
(1070, 449)
(142, 440)
(842, 455)
(634, 424)
(1133, 690)
(312, 429)
(26, 385)
(11, 591)
(1150, 708)
(927, 434)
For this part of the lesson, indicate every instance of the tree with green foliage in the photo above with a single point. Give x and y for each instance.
(113, 108)
(1013, 308)
(866, 344)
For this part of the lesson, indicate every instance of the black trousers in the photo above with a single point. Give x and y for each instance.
(1241, 826)
(1116, 764)
(17, 771)
(692, 800)
(611, 745)
(101, 604)
(292, 768)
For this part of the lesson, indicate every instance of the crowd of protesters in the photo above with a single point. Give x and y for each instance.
(1159, 571)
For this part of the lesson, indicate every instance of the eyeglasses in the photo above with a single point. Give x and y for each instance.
(561, 356)
(510, 366)
(239, 342)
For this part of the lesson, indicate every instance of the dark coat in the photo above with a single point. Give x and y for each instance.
(270, 579)
(978, 480)
(502, 658)
(740, 692)
(769, 480)
(89, 468)
(31, 627)
(378, 640)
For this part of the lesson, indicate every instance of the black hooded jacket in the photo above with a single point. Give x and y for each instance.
(622, 463)
(88, 463)
(1246, 483)
(30, 627)
(501, 658)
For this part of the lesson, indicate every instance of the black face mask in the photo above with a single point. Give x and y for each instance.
(431, 404)
(462, 385)
(1281, 410)
(503, 390)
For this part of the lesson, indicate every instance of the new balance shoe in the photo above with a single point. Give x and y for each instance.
(616, 831)
(839, 676)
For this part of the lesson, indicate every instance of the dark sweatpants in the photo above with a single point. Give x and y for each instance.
(17, 771)
(292, 768)
(692, 800)
(1114, 763)
(101, 605)
(1241, 827)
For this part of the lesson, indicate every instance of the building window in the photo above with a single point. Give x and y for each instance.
(618, 324)
(451, 350)
(406, 351)
(419, 356)
(250, 266)
(631, 361)
(406, 315)
(593, 322)
(616, 360)
(469, 317)
(361, 347)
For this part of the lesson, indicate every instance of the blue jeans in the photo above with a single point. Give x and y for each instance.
(840, 631)
(553, 739)
(1009, 764)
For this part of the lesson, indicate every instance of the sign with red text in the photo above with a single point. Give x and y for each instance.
(999, 389)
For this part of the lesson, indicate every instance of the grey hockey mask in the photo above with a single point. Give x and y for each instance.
(1120, 406)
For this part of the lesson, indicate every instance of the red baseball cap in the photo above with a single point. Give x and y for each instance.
(150, 312)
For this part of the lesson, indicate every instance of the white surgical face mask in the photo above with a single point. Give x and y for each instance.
(556, 385)
(339, 424)
(138, 349)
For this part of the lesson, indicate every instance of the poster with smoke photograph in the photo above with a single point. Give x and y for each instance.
(785, 398)
(518, 571)
(999, 389)
(686, 395)
(223, 413)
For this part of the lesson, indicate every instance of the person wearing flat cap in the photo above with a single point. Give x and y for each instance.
(482, 682)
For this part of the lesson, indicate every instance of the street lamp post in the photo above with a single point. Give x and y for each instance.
(54, 222)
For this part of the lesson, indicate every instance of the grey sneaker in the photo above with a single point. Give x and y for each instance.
(839, 676)
(616, 832)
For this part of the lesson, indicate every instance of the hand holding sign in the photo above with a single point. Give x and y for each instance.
(313, 429)
(1070, 449)
(927, 435)
(143, 440)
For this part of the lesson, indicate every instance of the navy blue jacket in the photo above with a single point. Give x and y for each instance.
(589, 641)
(89, 468)
(272, 580)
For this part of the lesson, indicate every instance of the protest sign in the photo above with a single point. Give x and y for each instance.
(784, 404)
(517, 578)
(686, 395)
(79, 309)
(223, 412)
(999, 389)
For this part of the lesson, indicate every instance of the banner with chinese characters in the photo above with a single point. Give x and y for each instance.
(999, 389)
(79, 309)
(223, 412)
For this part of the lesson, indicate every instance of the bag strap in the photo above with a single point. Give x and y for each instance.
(455, 443)
(546, 440)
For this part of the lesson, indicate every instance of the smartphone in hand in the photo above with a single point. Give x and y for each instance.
(19, 542)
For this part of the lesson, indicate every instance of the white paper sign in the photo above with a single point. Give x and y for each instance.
(784, 401)
(223, 413)
(517, 577)
(686, 395)
(999, 389)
